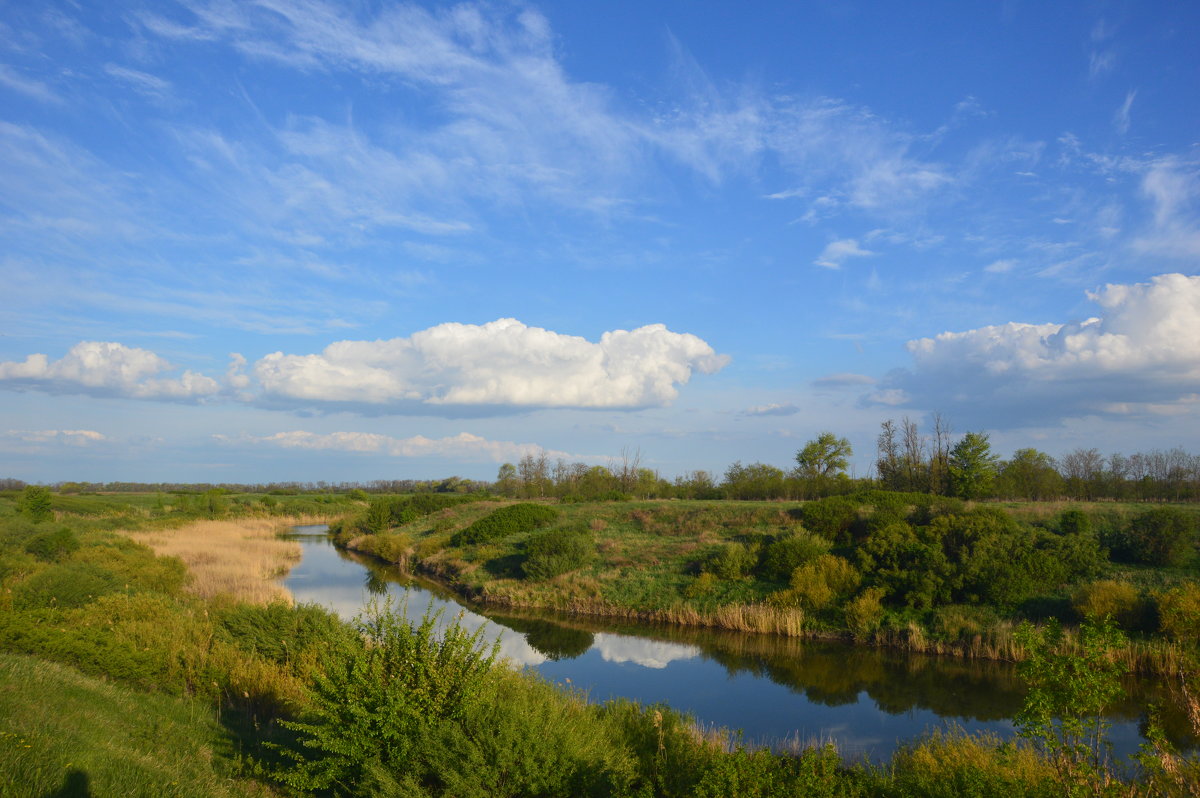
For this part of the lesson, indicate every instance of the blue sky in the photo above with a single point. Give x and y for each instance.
(301, 240)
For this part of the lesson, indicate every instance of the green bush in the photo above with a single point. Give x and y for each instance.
(864, 613)
(280, 632)
(823, 581)
(1164, 536)
(1108, 598)
(68, 584)
(831, 517)
(53, 546)
(557, 551)
(1074, 522)
(506, 521)
(1179, 612)
(377, 703)
(781, 558)
(730, 561)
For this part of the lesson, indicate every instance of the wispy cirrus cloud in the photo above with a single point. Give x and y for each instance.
(774, 409)
(29, 87)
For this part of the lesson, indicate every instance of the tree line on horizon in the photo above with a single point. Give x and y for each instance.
(906, 460)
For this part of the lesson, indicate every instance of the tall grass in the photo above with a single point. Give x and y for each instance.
(241, 558)
(64, 733)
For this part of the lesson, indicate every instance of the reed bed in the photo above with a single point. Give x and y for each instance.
(242, 558)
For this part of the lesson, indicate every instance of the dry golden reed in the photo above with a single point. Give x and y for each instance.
(242, 558)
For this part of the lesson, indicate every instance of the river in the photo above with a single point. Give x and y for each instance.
(777, 691)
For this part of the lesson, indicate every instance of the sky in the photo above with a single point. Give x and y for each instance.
(300, 240)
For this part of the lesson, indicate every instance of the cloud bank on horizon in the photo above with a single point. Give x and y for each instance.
(429, 232)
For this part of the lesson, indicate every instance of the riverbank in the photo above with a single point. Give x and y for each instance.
(757, 567)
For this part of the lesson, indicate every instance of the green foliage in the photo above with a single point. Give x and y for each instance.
(973, 467)
(824, 457)
(1108, 598)
(506, 521)
(912, 571)
(280, 632)
(35, 503)
(1179, 612)
(53, 546)
(378, 699)
(68, 584)
(557, 551)
(864, 613)
(731, 561)
(781, 557)
(1164, 536)
(830, 517)
(823, 581)
(1074, 522)
(1069, 689)
(759, 773)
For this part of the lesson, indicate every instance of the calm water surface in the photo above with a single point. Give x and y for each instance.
(774, 689)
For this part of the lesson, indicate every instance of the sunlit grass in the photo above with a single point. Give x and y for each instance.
(242, 558)
(65, 733)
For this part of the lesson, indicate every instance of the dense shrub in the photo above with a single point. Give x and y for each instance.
(1108, 598)
(1164, 536)
(376, 704)
(1179, 612)
(68, 584)
(730, 561)
(506, 521)
(1074, 522)
(864, 613)
(782, 557)
(557, 551)
(280, 632)
(53, 546)
(823, 581)
(911, 571)
(831, 517)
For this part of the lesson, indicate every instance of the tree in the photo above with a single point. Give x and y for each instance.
(972, 466)
(1069, 689)
(825, 456)
(1029, 475)
(506, 480)
(34, 502)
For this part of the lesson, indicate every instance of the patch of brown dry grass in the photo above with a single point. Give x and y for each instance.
(241, 558)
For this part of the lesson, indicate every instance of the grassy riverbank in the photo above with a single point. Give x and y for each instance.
(921, 573)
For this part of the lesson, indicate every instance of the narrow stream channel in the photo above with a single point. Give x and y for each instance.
(775, 690)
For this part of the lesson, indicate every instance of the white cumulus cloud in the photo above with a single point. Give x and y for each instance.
(106, 368)
(1141, 351)
(503, 362)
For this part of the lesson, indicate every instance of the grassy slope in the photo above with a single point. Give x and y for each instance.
(65, 733)
(648, 554)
